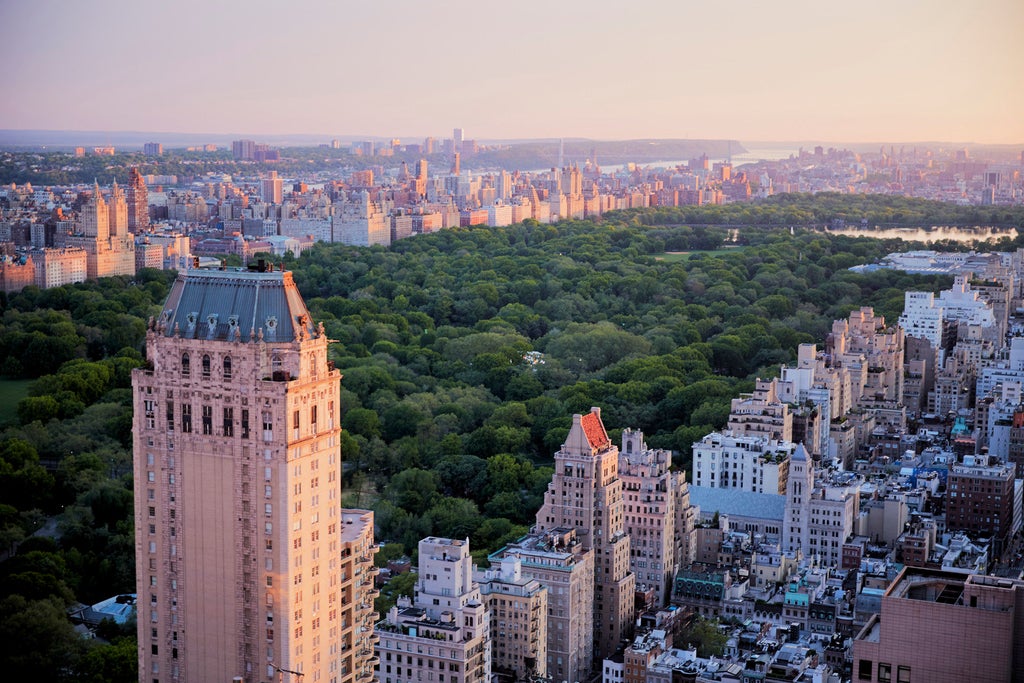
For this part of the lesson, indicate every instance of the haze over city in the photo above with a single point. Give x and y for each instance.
(792, 70)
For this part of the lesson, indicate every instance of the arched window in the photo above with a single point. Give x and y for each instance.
(184, 364)
(227, 367)
(206, 365)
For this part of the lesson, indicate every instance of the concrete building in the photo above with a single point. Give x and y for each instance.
(558, 560)
(56, 267)
(586, 494)
(102, 232)
(981, 499)
(657, 515)
(137, 200)
(819, 515)
(747, 462)
(518, 606)
(941, 626)
(445, 632)
(245, 562)
(761, 413)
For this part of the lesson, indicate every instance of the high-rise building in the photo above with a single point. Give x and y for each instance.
(519, 619)
(448, 627)
(458, 137)
(243, 150)
(558, 561)
(748, 462)
(137, 198)
(586, 494)
(818, 515)
(272, 188)
(657, 515)
(980, 500)
(246, 565)
(152, 149)
(102, 231)
(944, 626)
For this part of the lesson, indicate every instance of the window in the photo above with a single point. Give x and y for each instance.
(884, 673)
(184, 365)
(207, 420)
(227, 367)
(206, 365)
(170, 416)
(903, 674)
(864, 670)
(312, 418)
(245, 423)
(229, 422)
(186, 418)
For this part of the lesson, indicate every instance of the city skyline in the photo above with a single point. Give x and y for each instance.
(784, 71)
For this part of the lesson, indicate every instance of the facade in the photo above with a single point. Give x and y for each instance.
(446, 633)
(519, 620)
(557, 560)
(980, 500)
(761, 413)
(56, 267)
(819, 516)
(657, 515)
(747, 462)
(137, 200)
(245, 562)
(586, 494)
(102, 232)
(941, 626)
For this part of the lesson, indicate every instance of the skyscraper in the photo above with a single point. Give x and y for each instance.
(246, 565)
(585, 494)
(137, 197)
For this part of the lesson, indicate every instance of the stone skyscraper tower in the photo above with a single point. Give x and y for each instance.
(586, 494)
(246, 565)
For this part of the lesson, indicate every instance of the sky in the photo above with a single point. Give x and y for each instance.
(828, 70)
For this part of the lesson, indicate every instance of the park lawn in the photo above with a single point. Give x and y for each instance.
(676, 256)
(11, 392)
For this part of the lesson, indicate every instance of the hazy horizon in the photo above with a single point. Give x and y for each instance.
(793, 70)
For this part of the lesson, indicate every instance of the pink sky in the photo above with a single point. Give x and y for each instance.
(899, 70)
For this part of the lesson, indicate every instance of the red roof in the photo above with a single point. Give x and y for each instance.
(593, 428)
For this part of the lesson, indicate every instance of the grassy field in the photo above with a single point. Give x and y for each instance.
(673, 256)
(12, 391)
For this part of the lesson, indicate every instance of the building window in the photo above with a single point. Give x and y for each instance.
(186, 418)
(206, 365)
(185, 367)
(884, 673)
(207, 420)
(170, 416)
(312, 418)
(229, 422)
(227, 367)
(903, 674)
(864, 670)
(268, 426)
(245, 423)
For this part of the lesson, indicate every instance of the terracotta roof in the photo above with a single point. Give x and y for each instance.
(594, 430)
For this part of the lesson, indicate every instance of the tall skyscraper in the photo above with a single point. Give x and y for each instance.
(117, 211)
(137, 197)
(585, 494)
(246, 565)
(272, 188)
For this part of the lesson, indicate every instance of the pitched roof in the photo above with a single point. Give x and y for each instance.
(594, 429)
(225, 305)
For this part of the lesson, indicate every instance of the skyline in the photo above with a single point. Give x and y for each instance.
(877, 71)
